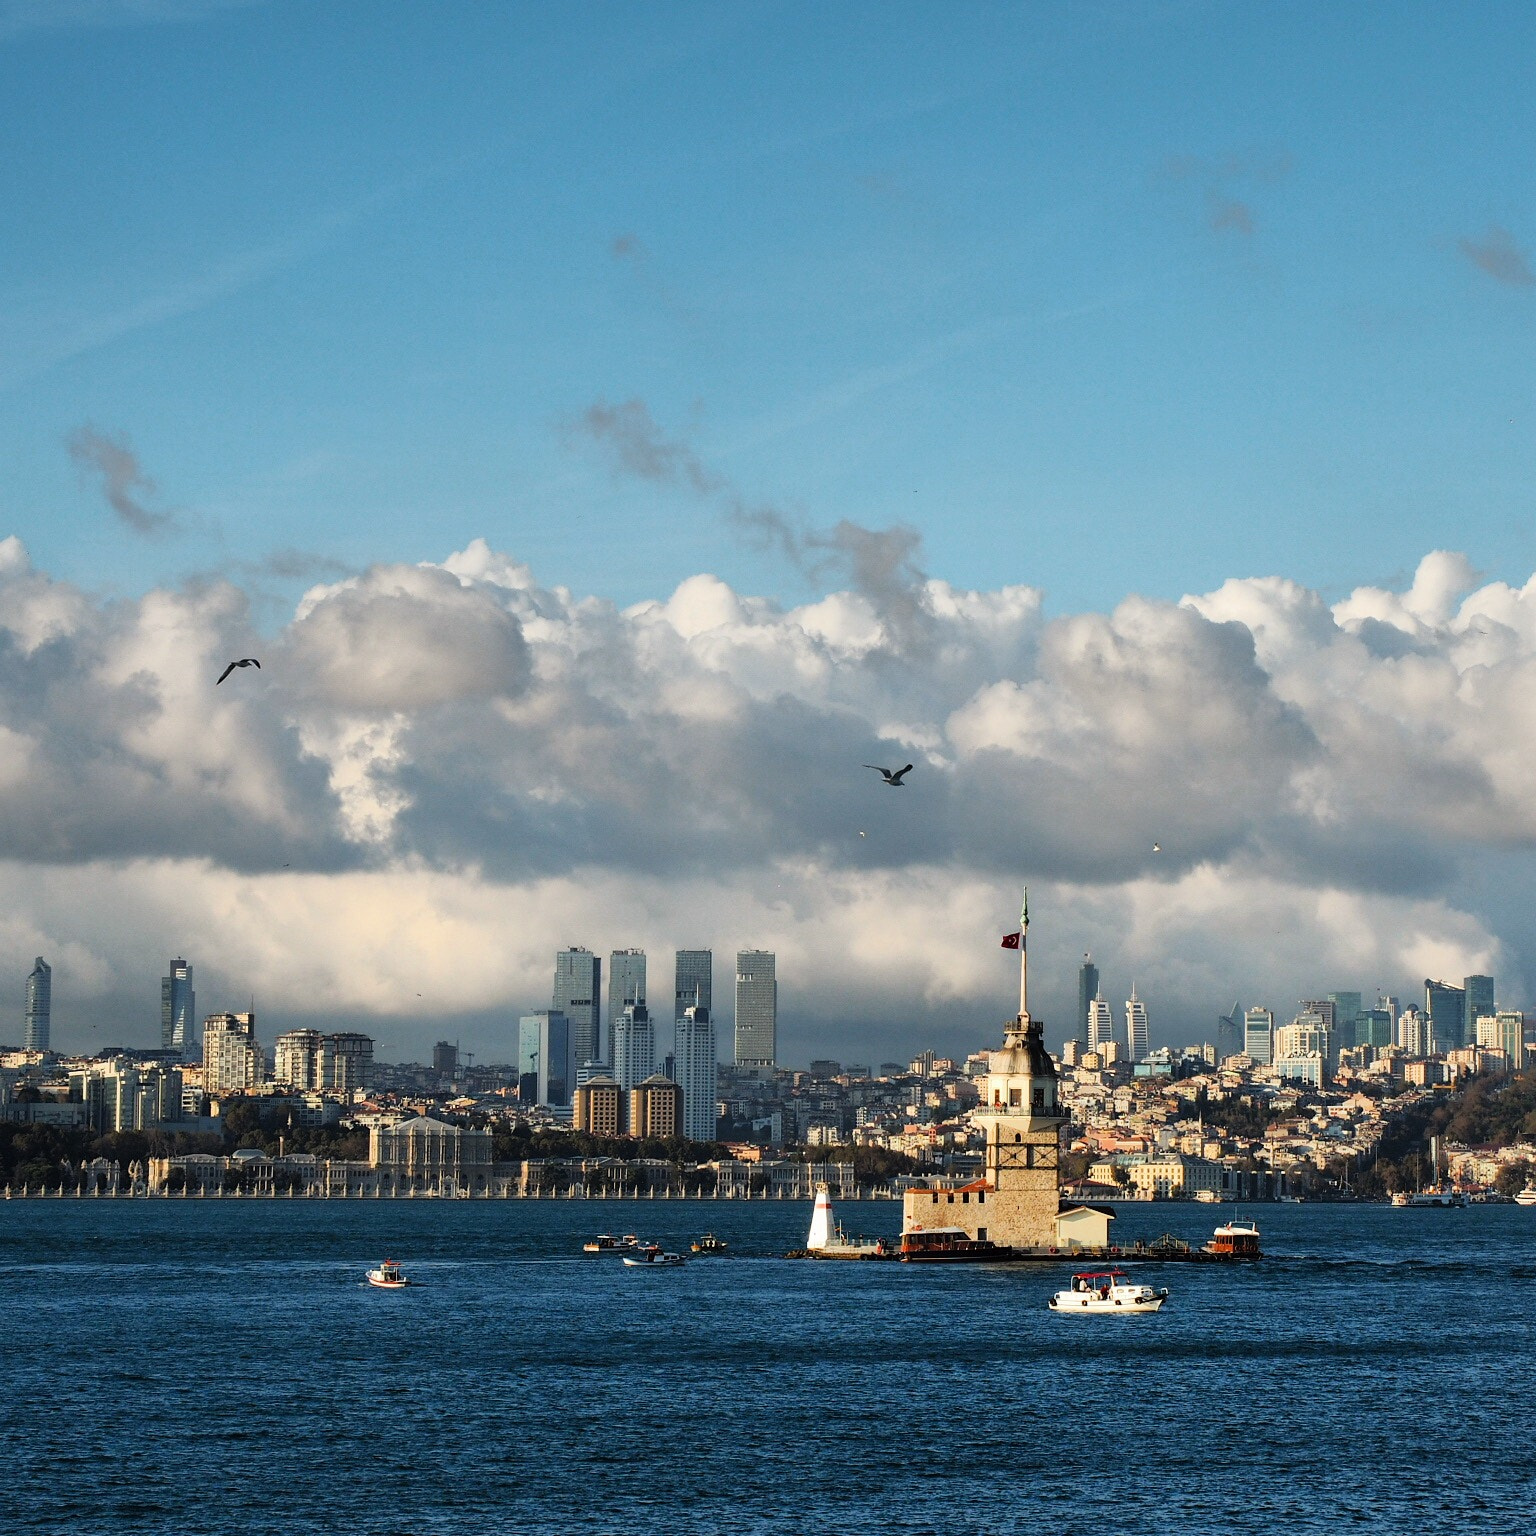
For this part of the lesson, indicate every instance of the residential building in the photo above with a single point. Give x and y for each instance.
(346, 1062)
(599, 1107)
(1259, 1036)
(1445, 1007)
(626, 985)
(757, 1008)
(39, 1018)
(1504, 1031)
(578, 995)
(544, 1066)
(178, 1008)
(1306, 1035)
(697, 1066)
(1414, 1032)
(296, 1059)
(1136, 1038)
(232, 1060)
(117, 1095)
(634, 1046)
(1087, 990)
(445, 1059)
(656, 1108)
(1101, 1024)
(1310, 1067)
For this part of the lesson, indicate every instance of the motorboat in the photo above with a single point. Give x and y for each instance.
(709, 1243)
(1109, 1290)
(1235, 1239)
(1527, 1196)
(652, 1256)
(604, 1243)
(388, 1276)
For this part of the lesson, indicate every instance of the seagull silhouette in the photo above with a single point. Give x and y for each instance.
(893, 779)
(246, 661)
(1157, 847)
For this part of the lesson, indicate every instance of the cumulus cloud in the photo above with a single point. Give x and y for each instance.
(1500, 257)
(447, 771)
(123, 481)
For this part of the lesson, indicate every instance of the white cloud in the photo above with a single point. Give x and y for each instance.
(444, 772)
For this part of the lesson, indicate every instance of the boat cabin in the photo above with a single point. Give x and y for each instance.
(1235, 1240)
(930, 1244)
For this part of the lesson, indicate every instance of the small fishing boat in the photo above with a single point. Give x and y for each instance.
(604, 1243)
(1236, 1239)
(709, 1243)
(652, 1256)
(388, 1276)
(1108, 1290)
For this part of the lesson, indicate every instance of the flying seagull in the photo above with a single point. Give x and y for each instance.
(1157, 847)
(893, 779)
(245, 661)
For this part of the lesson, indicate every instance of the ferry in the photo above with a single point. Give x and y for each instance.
(652, 1256)
(1437, 1197)
(947, 1245)
(388, 1276)
(1527, 1196)
(604, 1243)
(709, 1243)
(1235, 1239)
(1107, 1291)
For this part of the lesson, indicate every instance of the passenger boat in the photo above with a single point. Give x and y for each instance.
(1108, 1291)
(604, 1243)
(947, 1245)
(1235, 1239)
(709, 1243)
(652, 1256)
(1437, 1197)
(1527, 1196)
(388, 1276)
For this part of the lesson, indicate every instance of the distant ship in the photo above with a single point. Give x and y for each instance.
(1527, 1196)
(388, 1276)
(1438, 1196)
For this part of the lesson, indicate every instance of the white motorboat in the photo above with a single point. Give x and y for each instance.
(1527, 1196)
(388, 1276)
(1108, 1291)
(605, 1243)
(653, 1257)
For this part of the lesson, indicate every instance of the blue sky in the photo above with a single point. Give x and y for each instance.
(1100, 298)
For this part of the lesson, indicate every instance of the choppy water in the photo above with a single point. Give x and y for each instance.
(217, 1367)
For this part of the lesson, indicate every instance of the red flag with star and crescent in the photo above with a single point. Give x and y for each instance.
(1011, 940)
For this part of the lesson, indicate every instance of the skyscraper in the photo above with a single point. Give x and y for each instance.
(1347, 1008)
(1259, 1036)
(232, 1059)
(626, 984)
(544, 1066)
(39, 1018)
(296, 1059)
(1136, 1026)
(697, 1058)
(757, 1008)
(1480, 1004)
(1087, 990)
(634, 1046)
(178, 1008)
(578, 995)
(695, 981)
(1445, 1007)
(1101, 1024)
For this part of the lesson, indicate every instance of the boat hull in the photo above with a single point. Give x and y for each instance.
(1072, 1305)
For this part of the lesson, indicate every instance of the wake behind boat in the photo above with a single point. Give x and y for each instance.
(1107, 1291)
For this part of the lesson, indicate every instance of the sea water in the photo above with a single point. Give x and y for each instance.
(219, 1366)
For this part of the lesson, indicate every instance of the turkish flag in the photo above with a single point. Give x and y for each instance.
(1011, 940)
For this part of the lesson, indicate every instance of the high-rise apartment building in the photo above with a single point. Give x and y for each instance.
(178, 1008)
(696, 1058)
(1259, 1036)
(39, 1017)
(1136, 1027)
(545, 1068)
(1415, 1032)
(656, 1108)
(1087, 990)
(1445, 1007)
(634, 1046)
(296, 1059)
(232, 1060)
(626, 985)
(599, 1107)
(695, 981)
(1101, 1024)
(579, 996)
(1504, 1032)
(757, 1008)
(1305, 1035)
(445, 1059)
(346, 1062)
